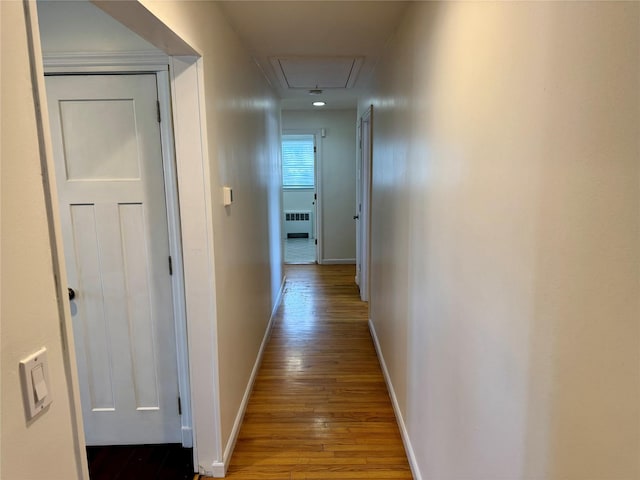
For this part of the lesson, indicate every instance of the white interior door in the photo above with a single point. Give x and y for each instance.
(108, 157)
(364, 206)
(356, 217)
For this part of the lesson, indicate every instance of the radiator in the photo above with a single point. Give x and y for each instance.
(298, 224)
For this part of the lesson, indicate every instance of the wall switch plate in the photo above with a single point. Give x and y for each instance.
(227, 196)
(36, 388)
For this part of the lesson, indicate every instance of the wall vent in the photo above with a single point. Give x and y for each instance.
(297, 216)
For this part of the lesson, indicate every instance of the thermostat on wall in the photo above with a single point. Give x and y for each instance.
(227, 196)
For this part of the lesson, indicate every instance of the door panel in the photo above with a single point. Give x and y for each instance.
(137, 275)
(102, 154)
(93, 332)
(109, 174)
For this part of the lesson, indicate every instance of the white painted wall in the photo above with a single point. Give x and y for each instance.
(506, 237)
(338, 176)
(29, 318)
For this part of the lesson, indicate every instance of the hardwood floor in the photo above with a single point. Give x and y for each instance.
(319, 407)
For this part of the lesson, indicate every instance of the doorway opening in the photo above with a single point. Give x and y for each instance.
(300, 198)
(117, 236)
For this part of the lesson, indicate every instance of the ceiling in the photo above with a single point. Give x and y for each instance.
(328, 45)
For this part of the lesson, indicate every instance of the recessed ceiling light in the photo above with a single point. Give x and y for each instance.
(319, 104)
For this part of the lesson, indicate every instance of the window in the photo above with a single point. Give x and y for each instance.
(298, 161)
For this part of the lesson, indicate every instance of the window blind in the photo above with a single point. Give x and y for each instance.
(298, 161)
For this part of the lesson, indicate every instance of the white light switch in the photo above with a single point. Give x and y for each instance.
(34, 373)
(227, 196)
(39, 385)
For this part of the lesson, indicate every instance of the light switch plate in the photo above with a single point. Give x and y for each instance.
(36, 388)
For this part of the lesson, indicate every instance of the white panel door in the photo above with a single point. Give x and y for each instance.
(363, 215)
(356, 217)
(108, 157)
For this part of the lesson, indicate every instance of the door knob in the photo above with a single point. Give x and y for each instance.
(356, 217)
(72, 294)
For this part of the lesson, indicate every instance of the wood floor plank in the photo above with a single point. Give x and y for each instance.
(319, 407)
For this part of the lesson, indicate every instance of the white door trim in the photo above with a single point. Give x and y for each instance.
(194, 182)
(104, 62)
(317, 141)
(88, 63)
(319, 198)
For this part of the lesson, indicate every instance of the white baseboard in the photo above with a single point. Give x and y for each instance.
(396, 408)
(276, 304)
(338, 261)
(219, 469)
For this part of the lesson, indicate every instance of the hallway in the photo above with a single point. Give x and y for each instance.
(319, 407)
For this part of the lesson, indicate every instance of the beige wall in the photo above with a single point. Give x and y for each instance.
(43, 447)
(506, 237)
(338, 176)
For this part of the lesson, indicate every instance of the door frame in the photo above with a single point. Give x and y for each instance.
(363, 208)
(317, 142)
(157, 64)
(358, 205)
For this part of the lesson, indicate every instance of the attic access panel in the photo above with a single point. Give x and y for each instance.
(317, 72)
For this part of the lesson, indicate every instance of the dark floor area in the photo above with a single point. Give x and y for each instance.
(140, 462)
